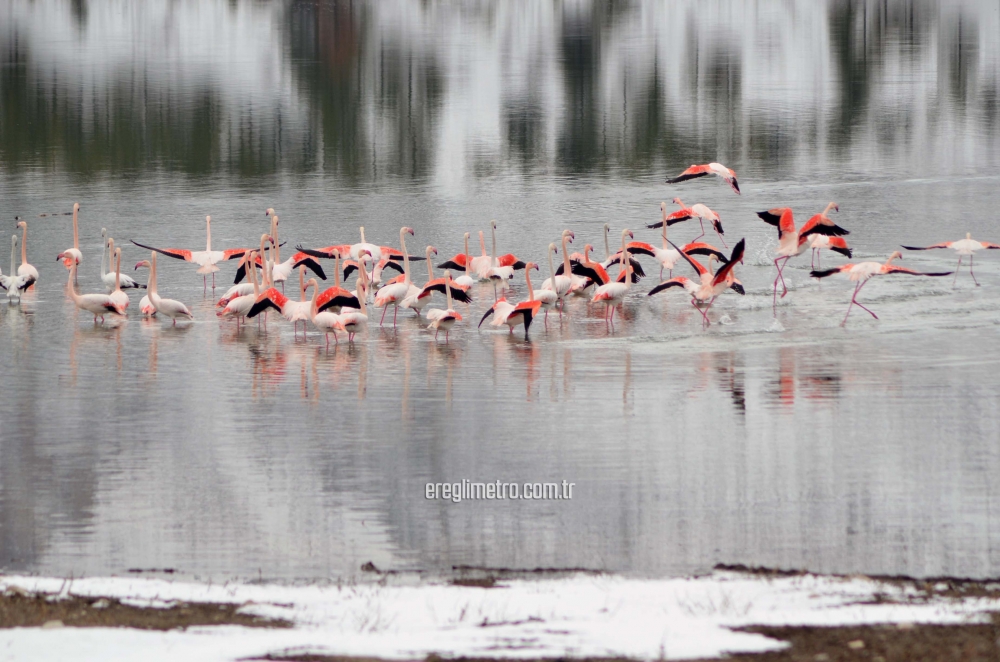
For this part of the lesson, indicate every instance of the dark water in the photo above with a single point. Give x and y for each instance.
(771, 439)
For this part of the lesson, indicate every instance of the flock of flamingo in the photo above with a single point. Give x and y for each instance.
(336, 309)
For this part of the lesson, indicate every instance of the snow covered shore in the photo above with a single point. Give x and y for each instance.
(579, 615)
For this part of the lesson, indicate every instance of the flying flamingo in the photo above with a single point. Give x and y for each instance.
(612, 294)
(708, 169)
(512, 315)
(962, 247)
(709, 286)
(169, 307)
(395, 292)
(96, 304)
(120, 298)
(861, 272)
(72, 256)
(444, 319)
(207, 260)
(791, 242)
(25, 270)
(110, 279)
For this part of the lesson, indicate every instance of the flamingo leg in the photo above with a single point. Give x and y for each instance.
(384, 311)
(955, 279)
(781, 272)
(394, 311)
(702, 221)
(213, 280)
(436, 331)
(973, 272)
(204, 284)
(812, 263)
(721, 238)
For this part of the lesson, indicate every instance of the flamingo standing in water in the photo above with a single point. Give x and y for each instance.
(72, 256)
(356, 320)
(336, 298)
(709, 286)
(280, 271)
(110, 279)
(120, 298)
(792, 242)
(168, 307)
(862, 272)
(962, 247)
(549, 287)
(444, 319)
(145, 305)
(96, 304)
(716, 169)
(612, 294)
(504, 312)
(562, 280)
(417, 300)
(500, 268)
(326, 321)
(240, 304)
(14, 284)
(26, 270)
(395, 292)
(207, 260)
(461, 261)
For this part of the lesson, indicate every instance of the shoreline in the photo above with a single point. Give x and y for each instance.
(745, 613)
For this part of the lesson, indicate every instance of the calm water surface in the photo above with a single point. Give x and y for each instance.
(771, 439)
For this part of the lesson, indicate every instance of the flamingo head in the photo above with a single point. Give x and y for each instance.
(467, 235)
(531, 265)
(588, 248)
(104, 235)
(568, 235)
(311, 283)
(76, 207)
(894, 256)
(607, 228)
(63, 256)
(269, 211)
(968, 235)
(677, 201)
(208, 220)
(554, 248)
(408, 231)
(431, 251)
(628, 232)
(663, 206)
(141, 263)
(493, 224)
(21, 224)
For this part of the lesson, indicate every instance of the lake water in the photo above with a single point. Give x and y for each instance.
(774, 438)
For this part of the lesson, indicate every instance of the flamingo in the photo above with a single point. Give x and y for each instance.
(120, 298)
(241, 304)
(145, 305)
(355, 320)
(685, 213)
(239, 289)
(461, 261)
(566, 280)
(709, 286)
(336, 298)
(500, 268)
(962, 247)
(612, 294)
(325, 321)
(395, 292)
(423, 296)
(96, 304)
(72, 256)
(207, 260)
(293, 311)
(280, 271)
(110, 279)
(444, 319)
(14, 284)
(835, 244)
(791, 242)
(168, 307)
(862, 272)
(512, 315)
(25, 270)
(375, 252)
(708, 169)
(548, 296)
(481, 264)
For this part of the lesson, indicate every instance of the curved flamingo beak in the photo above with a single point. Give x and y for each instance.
(410, 231)
(630, 235)
(60, 257)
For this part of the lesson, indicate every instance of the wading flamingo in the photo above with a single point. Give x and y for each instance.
(14, 284)
(325, 321)
(504, 312)
(862, 272)
(96, 304)
(110, 279)
(394, 293)
(352, 321)
(962, 247)
(708, 169)
(145, 306)
(461, 261)
(444, 319)
(167, 307)
(612, 294)
(280, 271)
(72, 256)
(120, 298)
(26, 270)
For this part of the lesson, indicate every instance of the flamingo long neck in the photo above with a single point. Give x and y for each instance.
(363, 234)
(586, 253)
(552, 268)
(363, 290)
(566, 268)
(313, 306)
(104, 252)
(149, 280)
(76, 231)
(208, 234)
(302, 283)
(607, 247)
(118, 270)
(253, 276)
(527, 279)
(626, 265)
(24, 244)
(494, 232)
(274, 233)
(151, 289)
(430, 266)
(72, 290)
(447, 287)
(468, 257)
(828, 208)
(13, 253)
(336, 270)
(666, 245)
(406, 257)
(482, 243)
